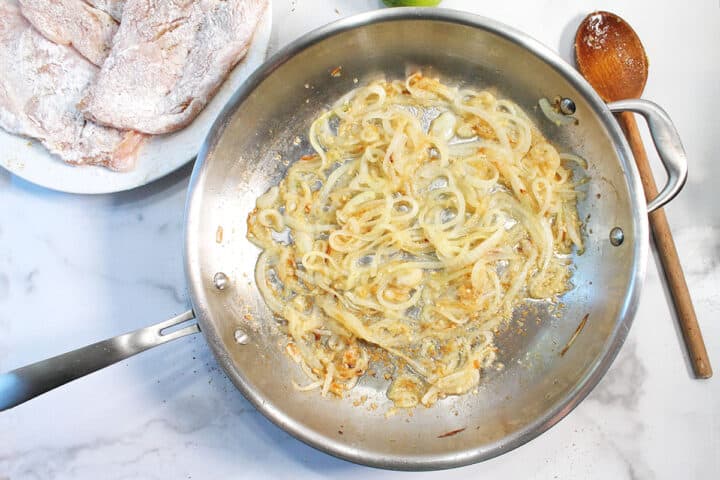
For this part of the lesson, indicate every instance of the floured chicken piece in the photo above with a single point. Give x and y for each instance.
(113, 8)
(39, 89)
(74, 23)
(168, 59)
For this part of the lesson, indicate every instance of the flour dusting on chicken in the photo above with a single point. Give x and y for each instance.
(73, 22)
(39, 94)
(168, 59)
(113, 8)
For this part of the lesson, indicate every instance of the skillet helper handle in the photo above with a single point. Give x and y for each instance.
(671, 152)
(25, 383)
(667, 143)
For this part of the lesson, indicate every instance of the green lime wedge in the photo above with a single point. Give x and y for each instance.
(411, 3)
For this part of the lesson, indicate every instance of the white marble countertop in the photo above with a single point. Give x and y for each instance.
(74, 270)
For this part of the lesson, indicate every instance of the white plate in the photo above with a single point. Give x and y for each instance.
(159, 155)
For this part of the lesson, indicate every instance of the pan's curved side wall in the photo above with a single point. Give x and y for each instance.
(248, 151)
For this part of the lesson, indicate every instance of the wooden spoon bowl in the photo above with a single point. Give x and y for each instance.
(611, 57)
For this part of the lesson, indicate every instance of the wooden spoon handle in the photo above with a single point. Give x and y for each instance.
(668, 255)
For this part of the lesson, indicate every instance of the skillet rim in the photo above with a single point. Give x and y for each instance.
(465, 456)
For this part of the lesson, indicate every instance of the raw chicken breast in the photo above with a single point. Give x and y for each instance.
(39, 93)
(75, 23)
(168, 59)
(113, 8)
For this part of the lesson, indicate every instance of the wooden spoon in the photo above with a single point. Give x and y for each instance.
(610, 56)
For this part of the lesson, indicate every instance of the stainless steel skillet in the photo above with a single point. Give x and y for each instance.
(248, 149)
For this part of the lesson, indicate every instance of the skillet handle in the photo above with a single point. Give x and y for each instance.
(25, 383)
(667, 143)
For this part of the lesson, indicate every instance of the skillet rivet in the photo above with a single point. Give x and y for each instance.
(241, 337)
(220, 280)
(617, 236)
(567, 106)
